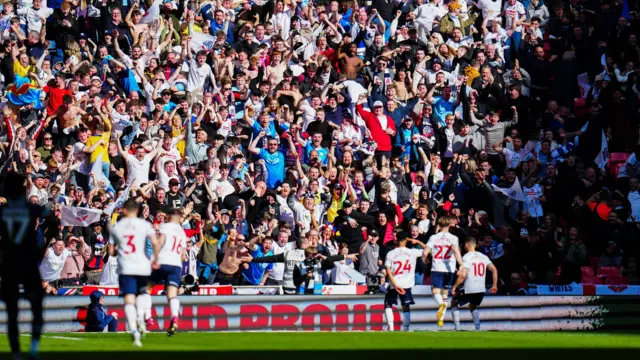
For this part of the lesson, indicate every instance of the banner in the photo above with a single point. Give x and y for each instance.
(583, 83)
(152, 14)
(110, 290)
(79, 216)
(514, 192)
(351, 313)
(589, 290)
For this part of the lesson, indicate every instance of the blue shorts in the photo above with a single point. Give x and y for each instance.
(442, 280)
(168, 275)
(391, 298)
(133, 284)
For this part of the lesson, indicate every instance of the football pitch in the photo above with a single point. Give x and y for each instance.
(335, 345)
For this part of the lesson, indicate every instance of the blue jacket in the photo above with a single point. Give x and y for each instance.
(97, 318)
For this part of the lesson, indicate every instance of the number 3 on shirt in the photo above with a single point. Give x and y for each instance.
(131, 246)
(400, 269)
(447, 252)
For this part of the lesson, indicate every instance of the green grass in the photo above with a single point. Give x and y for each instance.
(332, 345)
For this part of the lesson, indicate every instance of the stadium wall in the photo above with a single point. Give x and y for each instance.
(351, 313)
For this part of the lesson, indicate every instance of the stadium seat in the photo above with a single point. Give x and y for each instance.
(594, 262)
(617, 280)
(608, 271)
(591, 280)
(426, 280)
(616, 161)
(587, 271)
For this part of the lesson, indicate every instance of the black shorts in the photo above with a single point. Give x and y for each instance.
(474, 299)
(391, 298)
(14, 276)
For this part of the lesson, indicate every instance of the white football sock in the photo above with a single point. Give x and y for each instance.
(476, 318)
(130, 313)
(455, 313)
(388, 314)
(147, 306)
(141, 304)
(174, 304)
(438, 298)
(406, 319)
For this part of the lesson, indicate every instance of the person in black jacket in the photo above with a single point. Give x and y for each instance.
(350, 222)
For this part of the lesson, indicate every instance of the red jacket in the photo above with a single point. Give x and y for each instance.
(377, 132)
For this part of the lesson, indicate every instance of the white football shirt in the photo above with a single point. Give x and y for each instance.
(476, 264)
(131, 236)
(402, 262)
(175, 240)
(441, 246)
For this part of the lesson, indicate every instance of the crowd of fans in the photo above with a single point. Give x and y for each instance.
(339, 122)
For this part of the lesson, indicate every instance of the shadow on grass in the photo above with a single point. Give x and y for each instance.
(511, 354)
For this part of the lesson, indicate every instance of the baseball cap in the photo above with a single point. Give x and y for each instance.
(347, 204)
(407, 118)
(377, 104)
(174, 182)
(436, 61)
(38, 176)
(225, 212)
(373, 233)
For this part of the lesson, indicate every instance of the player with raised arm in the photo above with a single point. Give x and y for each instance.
(400, 264)
(21, 255)
(446, 253)
(172, 254)
(134, 267)
(473, 273)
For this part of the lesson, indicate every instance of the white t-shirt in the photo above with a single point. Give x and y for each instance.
(402, 262)
(476, 264)
(110, 272)
(131, 236)
(175, 241)
(277, 272)
(634, 199)
(533, 206)
(193, 261)
(52, 264)
(139, 169)
(441, 246)
(513, 159)
(198, 75)
(487, 5)
(516, 11)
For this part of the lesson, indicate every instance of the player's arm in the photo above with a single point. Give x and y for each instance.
(456, 254)
(156, 243)
(392, 280)
(494, 275)
(462, 274)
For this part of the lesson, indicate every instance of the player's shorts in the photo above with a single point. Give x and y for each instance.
(168, 275)
(442, 280)
(133, 284)
(473, 299)
(391, 298)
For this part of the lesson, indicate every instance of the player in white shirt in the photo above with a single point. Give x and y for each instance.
(446, 253)
(473, 273)
(172, 254)
(128, 238)
(400, 264)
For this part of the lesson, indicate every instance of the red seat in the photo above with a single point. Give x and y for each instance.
(559, 270)
(608, 271)
(587, 271)
(591, 280)
(616, 161)
(426, 280)
(617, 280)
(594, 262)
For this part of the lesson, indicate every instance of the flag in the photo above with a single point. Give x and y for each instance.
(514, 192)
(582, 130)
(98, 174)
(79, 216)
(362, 49)
(201, 41)
(625, 10)
(120, 200)
(603, 156)
(559, 153)
(584, 85)
(152, 14)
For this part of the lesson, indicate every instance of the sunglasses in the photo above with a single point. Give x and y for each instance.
(48, 138)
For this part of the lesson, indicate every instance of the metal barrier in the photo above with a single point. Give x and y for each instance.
(350, 313)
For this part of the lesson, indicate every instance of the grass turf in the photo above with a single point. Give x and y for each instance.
(334, 345)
